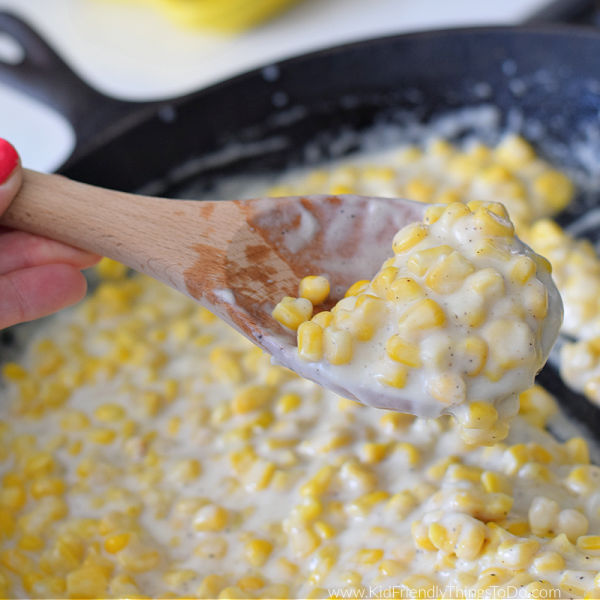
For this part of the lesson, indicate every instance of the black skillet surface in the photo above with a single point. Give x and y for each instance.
(548, 78)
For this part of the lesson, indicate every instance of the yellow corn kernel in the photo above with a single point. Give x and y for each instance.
(555, 189)
(439, 537)
(288, 403)
(420, 534)
(314, 288)
(12, 497)
(259, 475)
(588, 542)
(474, 352)
(87, 582)
(39, 464)
(310, 341)
(438, 469)
(257, 551)
(304, 542)
(453, 212)
(419, 262)
(549, 562)
(522, 270)
(577, 450)
(109, 413)
(363, 505)
(393, 422)
(211, 586)
(115, 543)
(341, 188)
(251, 398)
(576, 583)
(535, 299)
(389, 568)
(12, 371)
(226, 365)
(488, 282)
(324, 530)
(423, 315)
(139, 561)
(111, 269)
(404, 289)
(410, 451)
(517, 555)
(374, 452)
(250, 583)
(47, 486)
(358, 477)
(31, 543)
(319, 482)
(338, 348)
(186, 470)
(518, 528)
(383, 280)
(495, 482)
(514, 152)
(402, 503)
(460, 472)
(432, 214)
(102, 436)
(449, 196)
(323, 318)
(211, 517)
(357, 288)
(379, 173)
(403, 351)
(493, 249)
(448, 388)
(448, 274)
(369, 556)
(419, 190)
(481, 415)
(408, 237)
(493, 225)
(290, 312)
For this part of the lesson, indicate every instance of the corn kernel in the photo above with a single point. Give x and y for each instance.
(357, 288)
(403, 351)
(211, 518)
(115, 543)
(257, 552)
(419, 262)
(555, 189)
(337, 346)
(12, 371)
(425, 314)
(448, 388)
(290, 312)
(251, 398)
(315, 288)
(408, 237)
(310, 341)
(448, 274)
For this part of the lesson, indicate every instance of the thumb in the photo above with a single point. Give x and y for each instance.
(11, 174)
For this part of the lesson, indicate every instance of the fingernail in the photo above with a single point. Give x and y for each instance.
(9, 159)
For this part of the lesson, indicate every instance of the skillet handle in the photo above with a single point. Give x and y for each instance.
(44, 75)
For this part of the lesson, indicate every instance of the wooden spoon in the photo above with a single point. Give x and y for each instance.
(237, 258)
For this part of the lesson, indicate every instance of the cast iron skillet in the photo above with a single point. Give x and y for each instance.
(544, 81)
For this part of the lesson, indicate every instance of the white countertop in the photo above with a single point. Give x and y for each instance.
(128, 50)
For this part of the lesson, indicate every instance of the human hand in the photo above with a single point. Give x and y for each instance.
(38, 276)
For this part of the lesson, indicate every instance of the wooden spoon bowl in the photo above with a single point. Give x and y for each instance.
(237, 258)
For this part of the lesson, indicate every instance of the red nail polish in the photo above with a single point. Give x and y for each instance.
(9, 159)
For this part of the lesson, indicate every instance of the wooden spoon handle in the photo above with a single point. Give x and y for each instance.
(151, 235)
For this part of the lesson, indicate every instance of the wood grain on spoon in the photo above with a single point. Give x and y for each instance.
(237, 258)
